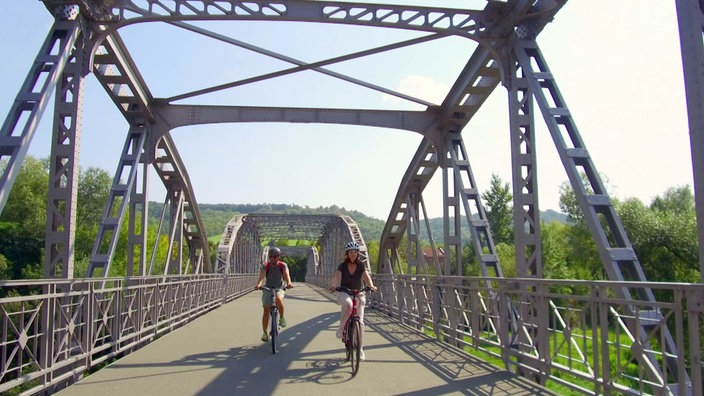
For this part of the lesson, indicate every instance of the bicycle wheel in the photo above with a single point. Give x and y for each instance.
(274, 330)
(355, 345)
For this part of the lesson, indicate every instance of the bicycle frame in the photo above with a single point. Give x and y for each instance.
(352, 331)
(273, 316)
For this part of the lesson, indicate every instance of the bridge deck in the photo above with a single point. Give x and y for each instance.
(220, 354)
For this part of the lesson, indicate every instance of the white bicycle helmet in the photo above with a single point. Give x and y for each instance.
(352, 246)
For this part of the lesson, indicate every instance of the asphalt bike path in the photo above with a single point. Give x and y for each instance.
(221, 353)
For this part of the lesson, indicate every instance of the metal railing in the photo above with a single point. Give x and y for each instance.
(54, 331)
(561, 333)
(574, 334)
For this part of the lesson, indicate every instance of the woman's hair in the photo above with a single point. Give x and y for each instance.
(347, 258)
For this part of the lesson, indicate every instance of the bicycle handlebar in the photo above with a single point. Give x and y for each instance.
(270, 288)
(352, 292)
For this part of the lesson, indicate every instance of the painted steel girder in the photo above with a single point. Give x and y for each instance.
(483, 72)
(426, 161)
(116, 206)
(47, 67)
(62, 194)
(172, 172)
(476, 82)
(690, 17)
(489, 27)
(618, 254)
(227, 242)
(116, 72)
(615, 249)
(331, 231)
(484, 26)
(186, 221)
(423, 166)
(469, 23)
(473, 209)
(119, 76)
(184, 115)
(526, 209)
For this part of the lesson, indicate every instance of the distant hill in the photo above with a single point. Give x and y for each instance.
(550, 215)
(216, 216)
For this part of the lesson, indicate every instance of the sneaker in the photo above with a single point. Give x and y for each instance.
(265, 337)
(361, 355)
(282, 322)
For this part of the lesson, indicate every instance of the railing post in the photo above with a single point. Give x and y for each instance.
(602, 356)
(475, 312)
(46, 344)
(502, 311)
(434, 294)
(695, 310)
(542, 325)
(88, 323)
(225, 289)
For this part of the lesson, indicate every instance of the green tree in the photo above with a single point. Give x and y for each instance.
(506, 253)
(555, 250)
(499, 213)
(4, 268)
(568, 203)
(373, 252)
(664, 235)
(297, 267)
(23, 220)
(26, 204)
(582, 256)
(93, 190)
(676, 200)
(21, 249)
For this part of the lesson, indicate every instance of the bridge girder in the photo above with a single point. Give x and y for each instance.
(247, 238)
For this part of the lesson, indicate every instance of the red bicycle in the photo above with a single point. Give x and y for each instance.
(352, 332)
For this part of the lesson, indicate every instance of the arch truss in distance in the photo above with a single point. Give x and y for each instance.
(246, 240)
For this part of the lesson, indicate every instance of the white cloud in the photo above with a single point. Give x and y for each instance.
(420, 87)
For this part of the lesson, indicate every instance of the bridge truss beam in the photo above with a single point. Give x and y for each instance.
(247, 238)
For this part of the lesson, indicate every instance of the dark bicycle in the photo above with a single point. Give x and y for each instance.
(352, 331)
(274, 316)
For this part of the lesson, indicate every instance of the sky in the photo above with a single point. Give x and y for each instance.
(617, 64)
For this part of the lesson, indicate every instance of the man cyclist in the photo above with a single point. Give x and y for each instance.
(275, 272)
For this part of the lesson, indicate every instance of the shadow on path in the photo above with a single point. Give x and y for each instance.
(463, 373)
(220, 354)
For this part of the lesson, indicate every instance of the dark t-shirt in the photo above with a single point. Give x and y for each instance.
(351, 281)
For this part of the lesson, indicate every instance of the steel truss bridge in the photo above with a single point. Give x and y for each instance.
(70, 326)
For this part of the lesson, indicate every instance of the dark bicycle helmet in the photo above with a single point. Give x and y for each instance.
(351, 246)
(274, 252)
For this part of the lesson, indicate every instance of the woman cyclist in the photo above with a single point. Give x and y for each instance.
(352, 274)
